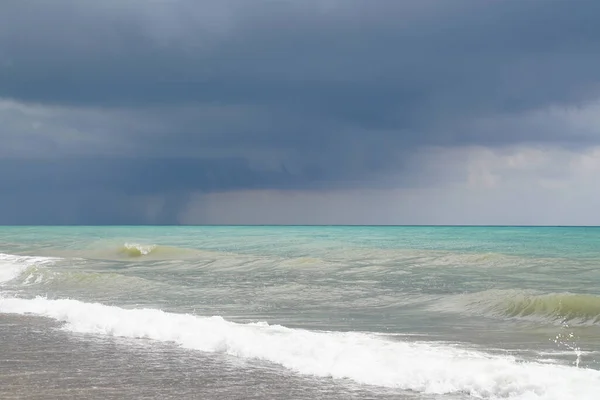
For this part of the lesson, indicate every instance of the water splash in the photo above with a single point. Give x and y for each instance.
(569, 341)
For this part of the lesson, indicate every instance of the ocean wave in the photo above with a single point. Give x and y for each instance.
(570, 308)
(432, 368)
(23, 271)
(137, 250)
(12, 266)
(66, 279)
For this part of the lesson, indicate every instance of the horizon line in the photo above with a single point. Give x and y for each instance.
(307, 225)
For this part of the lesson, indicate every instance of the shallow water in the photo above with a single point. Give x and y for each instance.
(297, 312)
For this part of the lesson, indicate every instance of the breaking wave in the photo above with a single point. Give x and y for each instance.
(24, 271)
(551, 307)
(12, 266)
(135, 250)
(364, 358)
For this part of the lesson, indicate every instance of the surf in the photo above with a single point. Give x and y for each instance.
(426, 367)
(12, 266)
(572, 308)
(138, 250)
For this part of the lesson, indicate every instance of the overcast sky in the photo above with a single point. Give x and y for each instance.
(300, 112)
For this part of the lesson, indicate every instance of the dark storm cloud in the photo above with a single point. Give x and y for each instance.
(192, 94)
(129, 176)
(372, 63)
(97, 190)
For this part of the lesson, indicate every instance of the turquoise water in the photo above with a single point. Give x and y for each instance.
(577, 242)
(348, 312)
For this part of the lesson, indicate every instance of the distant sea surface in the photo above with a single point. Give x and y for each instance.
(300, 313)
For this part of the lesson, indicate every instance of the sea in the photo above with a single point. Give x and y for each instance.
(300, 312)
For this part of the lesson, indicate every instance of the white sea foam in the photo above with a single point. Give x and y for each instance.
(136, 249)
(368, 359)
(11, 266)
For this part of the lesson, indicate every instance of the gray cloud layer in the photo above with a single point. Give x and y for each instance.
(174, 97)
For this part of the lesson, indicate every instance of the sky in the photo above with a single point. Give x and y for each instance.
(300, 112)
